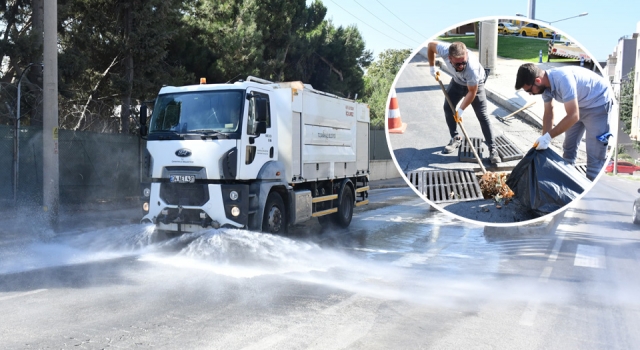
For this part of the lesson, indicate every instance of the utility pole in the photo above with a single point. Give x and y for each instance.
(50, 171)
(532, 9)
(488, 45)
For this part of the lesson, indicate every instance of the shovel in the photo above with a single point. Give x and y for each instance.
(504, 119)
(453, 109)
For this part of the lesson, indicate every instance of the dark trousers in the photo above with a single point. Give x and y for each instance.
(595, 122)
(456, 93)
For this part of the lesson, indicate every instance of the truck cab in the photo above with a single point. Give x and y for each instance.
(234, 155)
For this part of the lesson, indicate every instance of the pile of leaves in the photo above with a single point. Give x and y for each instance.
(494, 185)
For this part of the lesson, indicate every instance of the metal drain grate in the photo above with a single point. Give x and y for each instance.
(507, 150)
(465, 154)
(582, 169)
(443, 186)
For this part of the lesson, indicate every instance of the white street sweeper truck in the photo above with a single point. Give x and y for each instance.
(253, 154)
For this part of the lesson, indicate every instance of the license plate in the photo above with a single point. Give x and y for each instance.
(182, 179)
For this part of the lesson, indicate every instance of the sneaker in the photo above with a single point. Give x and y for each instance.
(453, 145)
(494, 157)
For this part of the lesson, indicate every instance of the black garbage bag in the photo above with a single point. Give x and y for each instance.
(543, 182)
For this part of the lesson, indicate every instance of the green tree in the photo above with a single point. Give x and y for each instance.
(21, 24)
(114, 52)
(118, 53)
(626, 101)
(378, 81)
(279, 40)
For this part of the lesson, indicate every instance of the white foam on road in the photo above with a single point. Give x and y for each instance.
(104, 244)
(19, 295)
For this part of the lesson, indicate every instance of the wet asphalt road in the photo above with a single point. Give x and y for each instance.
(400, 277)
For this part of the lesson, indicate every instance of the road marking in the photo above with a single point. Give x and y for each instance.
(556, 248)
(22, 294)
(544, 277)
(529, 314)
(590, 256)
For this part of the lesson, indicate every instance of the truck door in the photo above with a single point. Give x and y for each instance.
(258, 140)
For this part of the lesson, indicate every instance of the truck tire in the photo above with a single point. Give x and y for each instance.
(345, 208)
(274, 219)
(324, 221)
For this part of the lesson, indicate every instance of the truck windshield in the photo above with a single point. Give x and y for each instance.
(198, 112)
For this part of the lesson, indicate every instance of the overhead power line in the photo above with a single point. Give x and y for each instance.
(390, 26)
(372, 27)
(403, 22)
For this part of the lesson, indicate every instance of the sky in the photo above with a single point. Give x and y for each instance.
(399, 24)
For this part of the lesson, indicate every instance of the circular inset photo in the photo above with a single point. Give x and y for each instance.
(501, 121)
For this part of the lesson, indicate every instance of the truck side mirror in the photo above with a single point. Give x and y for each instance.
(261, 127)
(143, 114)
(143, 119)
(261, 110)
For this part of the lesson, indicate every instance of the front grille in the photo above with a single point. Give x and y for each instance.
(184, 194)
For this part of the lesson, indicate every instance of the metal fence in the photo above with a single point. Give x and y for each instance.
(93, 167)
(378, 148)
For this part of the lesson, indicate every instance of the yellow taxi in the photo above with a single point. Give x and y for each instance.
(506, 28)
(535, 30)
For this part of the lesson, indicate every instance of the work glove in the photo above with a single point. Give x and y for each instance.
(433, 70)
(543, 142)
(458, 116)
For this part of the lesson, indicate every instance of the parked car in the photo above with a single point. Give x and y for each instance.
(623, 167)
(507, 28)
(533, 29)
(636, 210)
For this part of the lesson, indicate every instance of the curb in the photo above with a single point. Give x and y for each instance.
(398, 182)
(530, 118)
(537, 229)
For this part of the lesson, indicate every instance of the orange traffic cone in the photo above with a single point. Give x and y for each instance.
(394, 122)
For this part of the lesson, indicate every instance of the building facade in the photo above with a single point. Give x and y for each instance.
(635, 114)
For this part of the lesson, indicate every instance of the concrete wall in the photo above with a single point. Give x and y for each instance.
(383, 169)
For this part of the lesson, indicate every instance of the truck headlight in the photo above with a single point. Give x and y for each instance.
(145, 206)
(235, 211)
(146, 192)
(233, 195)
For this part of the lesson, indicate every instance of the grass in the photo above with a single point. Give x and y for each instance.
(525, 49)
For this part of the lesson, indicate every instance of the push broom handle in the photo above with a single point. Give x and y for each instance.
(453, 109)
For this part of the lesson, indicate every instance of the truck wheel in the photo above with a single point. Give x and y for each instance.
(274, 219)
(345, 208)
